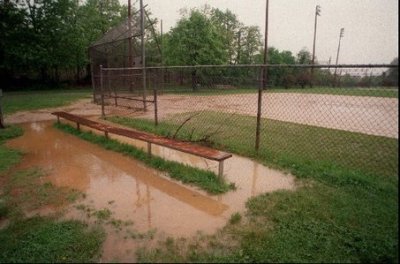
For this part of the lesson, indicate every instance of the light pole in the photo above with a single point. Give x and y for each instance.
(337, 55)
(317, 13)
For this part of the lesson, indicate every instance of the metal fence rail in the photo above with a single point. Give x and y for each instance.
(350, 117)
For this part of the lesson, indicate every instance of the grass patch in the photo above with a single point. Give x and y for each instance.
(323, 223)
(33, 100)
(347, 210)
(206, 180)
(45, 240)
(374, 92)
(9, 157)
(235, 218)
(28, 190)
(284, 144)
(103, 214)
(208, 91)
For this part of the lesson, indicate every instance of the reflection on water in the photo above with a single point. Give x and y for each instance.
(134, 192)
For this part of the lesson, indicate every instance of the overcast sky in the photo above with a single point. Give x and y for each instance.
(370, 26)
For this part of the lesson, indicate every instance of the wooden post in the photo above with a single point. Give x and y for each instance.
(78, 127)
(149, 148)
(155, 107)
(102, 92)
(2, 125)
(221, 169)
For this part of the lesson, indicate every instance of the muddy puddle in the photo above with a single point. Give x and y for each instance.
(138, 194)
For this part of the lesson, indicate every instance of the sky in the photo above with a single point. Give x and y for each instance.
(370, 26)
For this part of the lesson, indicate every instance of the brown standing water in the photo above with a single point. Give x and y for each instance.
(134, 192)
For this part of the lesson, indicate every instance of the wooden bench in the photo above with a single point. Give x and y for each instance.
(186, 147)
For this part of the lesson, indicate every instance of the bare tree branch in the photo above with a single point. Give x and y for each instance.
(183, 123)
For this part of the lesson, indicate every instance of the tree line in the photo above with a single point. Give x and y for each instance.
(48, 41)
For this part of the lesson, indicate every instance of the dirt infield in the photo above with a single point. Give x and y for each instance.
(368, 115)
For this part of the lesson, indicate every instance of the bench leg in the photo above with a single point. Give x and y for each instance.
(221, 169)
(58, 120)
(149, 148)
(78, 126)
(106, 134)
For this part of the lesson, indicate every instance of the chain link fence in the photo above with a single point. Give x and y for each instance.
(341, 115)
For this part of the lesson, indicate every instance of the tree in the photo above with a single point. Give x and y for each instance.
(392, 76)
(46, 37)
(281, 76)
(303, 75)
(250, 44)
(194, 41)
(229, 28)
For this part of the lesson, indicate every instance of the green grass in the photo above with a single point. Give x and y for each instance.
(208, 91)
(346, 211)
(24, 101)
(45, 240)
(9, 157)
(314, 224)
(324, 223)
(374, 92)
(206, 180)
(284, 144)
(27, 190)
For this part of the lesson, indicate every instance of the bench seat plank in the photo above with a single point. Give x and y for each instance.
(81, 120)
(186, 147)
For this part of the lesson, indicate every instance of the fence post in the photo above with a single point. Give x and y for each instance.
(259, 102)
(155, 107)
(1, 111)
(102, 92)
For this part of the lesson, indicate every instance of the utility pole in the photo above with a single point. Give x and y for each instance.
(263, 81)
(317, 13)
(337, 55)
(142, 19)
(265, 45)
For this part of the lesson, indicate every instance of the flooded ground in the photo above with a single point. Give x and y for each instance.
(138, 194)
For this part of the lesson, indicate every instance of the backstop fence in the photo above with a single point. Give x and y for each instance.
(344, 113)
